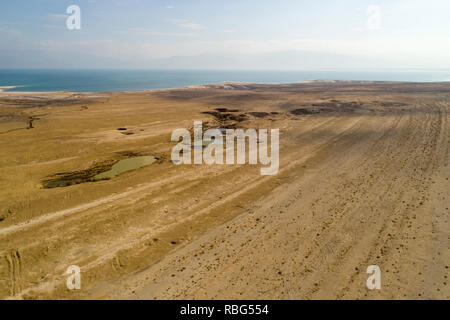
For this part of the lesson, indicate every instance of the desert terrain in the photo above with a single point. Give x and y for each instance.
(363, 180)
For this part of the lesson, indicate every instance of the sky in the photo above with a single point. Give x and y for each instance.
(231, 34)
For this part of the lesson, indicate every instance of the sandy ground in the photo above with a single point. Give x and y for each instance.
(363, 181)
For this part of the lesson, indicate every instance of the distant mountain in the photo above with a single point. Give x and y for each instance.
(285, 60)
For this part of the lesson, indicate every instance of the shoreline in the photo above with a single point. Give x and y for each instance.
(6, 88)
(222, 85)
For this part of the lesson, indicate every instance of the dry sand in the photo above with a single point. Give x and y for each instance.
(363, 181)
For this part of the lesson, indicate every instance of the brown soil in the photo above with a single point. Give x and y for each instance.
(363, 181)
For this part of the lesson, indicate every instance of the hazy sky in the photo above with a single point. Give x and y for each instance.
(231, 34)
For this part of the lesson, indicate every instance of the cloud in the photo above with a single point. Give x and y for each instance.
(193, 26)
(59, 16)
(150, 32)
(170, 7)
(187, 24)
(10, 31)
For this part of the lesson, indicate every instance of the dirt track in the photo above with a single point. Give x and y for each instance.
(368, 186)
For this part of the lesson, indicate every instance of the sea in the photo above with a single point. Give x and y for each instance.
(133, 80)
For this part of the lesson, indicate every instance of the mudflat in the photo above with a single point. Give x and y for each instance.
(363, 180)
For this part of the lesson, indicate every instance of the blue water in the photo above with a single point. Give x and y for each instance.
(131, 80)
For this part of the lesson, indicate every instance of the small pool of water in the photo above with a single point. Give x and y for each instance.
(124, 166)
(118, 168)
